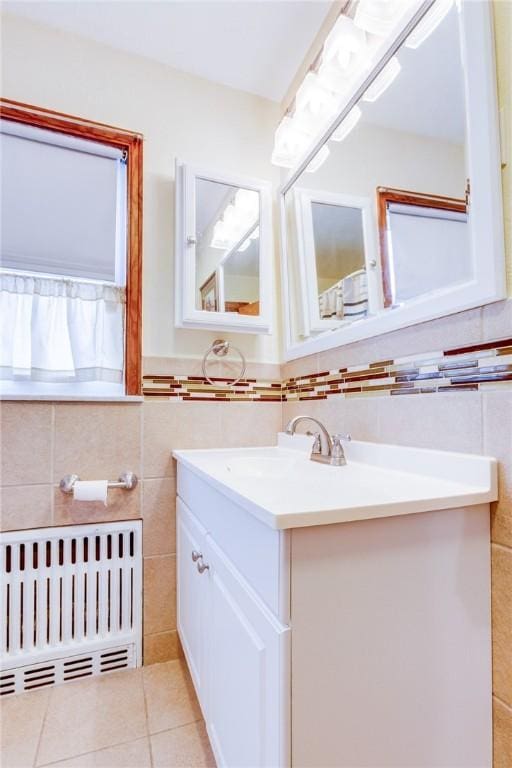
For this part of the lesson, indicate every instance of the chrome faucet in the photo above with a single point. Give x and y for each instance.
(327, 449)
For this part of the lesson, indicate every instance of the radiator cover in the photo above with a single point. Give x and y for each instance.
(70, 603)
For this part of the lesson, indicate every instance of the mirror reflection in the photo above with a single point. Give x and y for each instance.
(227, 248)
(400, 153)
(339, 257)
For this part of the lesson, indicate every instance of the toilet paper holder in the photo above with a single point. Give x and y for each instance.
(127, 480)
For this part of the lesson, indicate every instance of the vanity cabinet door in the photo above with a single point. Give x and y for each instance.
(247, 671)
(192, 594)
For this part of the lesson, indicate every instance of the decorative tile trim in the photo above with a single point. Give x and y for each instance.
(197, 388)
(464, 369)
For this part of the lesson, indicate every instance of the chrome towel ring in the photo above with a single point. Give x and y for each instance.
(220, 348)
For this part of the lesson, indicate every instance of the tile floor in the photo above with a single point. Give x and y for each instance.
(141, 718)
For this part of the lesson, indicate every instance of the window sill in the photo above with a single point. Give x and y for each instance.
(75, 398)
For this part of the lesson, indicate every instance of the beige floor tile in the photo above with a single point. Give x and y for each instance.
(133, 754)
(170, 697)
(21, 722)
(92, 714)
(162, 646)
(185, 747)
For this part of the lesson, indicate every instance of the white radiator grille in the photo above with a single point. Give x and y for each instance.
(69, 591)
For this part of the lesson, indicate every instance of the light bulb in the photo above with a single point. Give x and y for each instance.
(347, 125)
(383, 80)
(313, 98)
(219, 238)
(319, 159)
(289, 143)
(344, 40)
(379, 16)
(248, 201)
(229, 220)
(428, 23)
(244, 246)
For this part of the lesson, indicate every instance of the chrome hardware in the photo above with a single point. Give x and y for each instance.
(338, 454)
(323, 449)
(317, 445)
(196, 556)
(126, 480)
(202, 567)
(191, 240)
(220, 348)
(373, 263)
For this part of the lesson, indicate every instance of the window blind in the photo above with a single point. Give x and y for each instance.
(430, 250)
(63, 204)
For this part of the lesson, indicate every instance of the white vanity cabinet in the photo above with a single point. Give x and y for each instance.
(343, 637)
(236, 650)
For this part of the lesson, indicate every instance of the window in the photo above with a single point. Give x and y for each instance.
(70, 277)
(424, 243)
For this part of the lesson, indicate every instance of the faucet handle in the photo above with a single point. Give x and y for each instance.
(338, 455)
(338, 438)
(317, 445)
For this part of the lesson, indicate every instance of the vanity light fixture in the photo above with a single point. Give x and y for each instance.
(349, 48)
(379, 16)
(343, 41)
(319, 159)
(238, 217)
(314, 105)
(244, 246)
(248, 202)
(348, 124)
(383, 80)
(289, 143)
(219, 238)
(428, 24)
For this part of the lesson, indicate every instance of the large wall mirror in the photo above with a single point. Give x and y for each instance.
(395, 217)
(223, 251)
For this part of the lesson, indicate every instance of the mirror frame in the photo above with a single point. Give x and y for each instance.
(186, 314)
(485, 200)
(308, 276)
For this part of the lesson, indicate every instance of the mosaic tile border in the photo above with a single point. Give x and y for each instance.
(467, 369)
(463, 369)
(197, 388)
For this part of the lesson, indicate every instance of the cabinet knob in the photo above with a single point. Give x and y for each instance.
(202, 567)
(196, 556)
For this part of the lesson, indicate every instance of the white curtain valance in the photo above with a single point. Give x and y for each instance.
(59, 330)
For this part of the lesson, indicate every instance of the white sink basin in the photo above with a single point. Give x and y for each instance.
(263, 466)
(285, 489)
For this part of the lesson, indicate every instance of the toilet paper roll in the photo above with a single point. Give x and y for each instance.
(91, 490)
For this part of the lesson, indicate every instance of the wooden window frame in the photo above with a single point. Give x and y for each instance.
(387, 195)
(131, 143)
